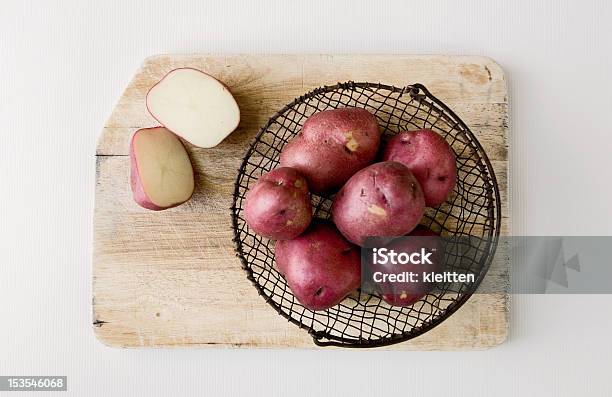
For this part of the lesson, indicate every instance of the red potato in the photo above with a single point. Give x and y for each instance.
(406, 293)
(332, 146)
(278, 206)
(195, 106)
(161, 173)
(383, 199)
(320, 266)
(430, 158)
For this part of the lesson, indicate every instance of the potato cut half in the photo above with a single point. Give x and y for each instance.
(161, 172)
(195, 106)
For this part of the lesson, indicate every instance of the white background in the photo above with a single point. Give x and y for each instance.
(63, 64)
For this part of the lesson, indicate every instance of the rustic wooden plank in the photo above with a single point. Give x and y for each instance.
(171, 278)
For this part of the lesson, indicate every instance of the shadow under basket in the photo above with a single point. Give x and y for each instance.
(471, 213)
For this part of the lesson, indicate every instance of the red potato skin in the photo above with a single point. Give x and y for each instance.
(332, 146)
(405, 294)
(430, 158)
(278, 206)
(383, 199)
(138, 193)
(174, 70)
(320, 266)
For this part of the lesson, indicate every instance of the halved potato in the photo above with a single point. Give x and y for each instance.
(161, 172)
(195, 106)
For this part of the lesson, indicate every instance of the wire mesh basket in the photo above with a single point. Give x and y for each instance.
(472, 210)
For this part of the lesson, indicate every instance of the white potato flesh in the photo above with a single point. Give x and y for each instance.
(163, 169)
(195, 106)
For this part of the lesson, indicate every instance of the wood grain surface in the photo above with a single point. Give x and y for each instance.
(171, 278)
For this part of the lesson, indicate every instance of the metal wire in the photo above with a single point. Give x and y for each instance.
(472, 210)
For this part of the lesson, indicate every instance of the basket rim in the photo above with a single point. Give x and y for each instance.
(339, 341)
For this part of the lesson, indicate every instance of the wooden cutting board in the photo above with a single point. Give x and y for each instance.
(171, 278)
